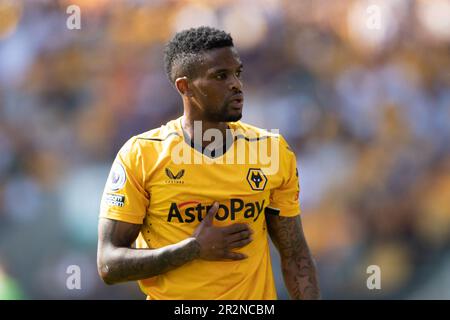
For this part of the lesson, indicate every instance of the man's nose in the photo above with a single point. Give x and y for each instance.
(235, 83)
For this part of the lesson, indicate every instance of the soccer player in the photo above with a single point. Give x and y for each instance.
(184, 222)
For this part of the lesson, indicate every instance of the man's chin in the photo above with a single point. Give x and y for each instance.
(233, 118)
(227, 117)
(233, 115)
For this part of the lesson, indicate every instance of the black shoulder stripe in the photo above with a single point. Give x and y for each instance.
(160, 139)
(275, 212)
(253, 139)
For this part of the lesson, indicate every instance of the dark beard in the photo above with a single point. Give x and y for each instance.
(223, 115)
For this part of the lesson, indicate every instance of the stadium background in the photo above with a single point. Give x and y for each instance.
(366, 109)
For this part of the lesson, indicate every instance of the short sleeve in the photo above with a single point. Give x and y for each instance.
(284, 200)
(124, 197)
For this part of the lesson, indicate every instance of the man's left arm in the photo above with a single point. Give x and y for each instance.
(299, 270)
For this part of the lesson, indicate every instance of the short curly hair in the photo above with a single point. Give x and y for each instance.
(183, 52)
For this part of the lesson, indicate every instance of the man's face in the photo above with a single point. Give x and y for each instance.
(217, 88)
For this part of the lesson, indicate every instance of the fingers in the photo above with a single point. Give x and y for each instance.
(246, 234)
(235, 256)
(236, 227)
(239, 243)
(208, 220)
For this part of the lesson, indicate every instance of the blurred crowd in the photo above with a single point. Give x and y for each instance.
(359, 89)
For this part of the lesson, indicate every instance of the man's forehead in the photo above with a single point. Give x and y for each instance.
(221, 58)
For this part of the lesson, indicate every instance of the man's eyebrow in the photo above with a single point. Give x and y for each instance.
(241, 66)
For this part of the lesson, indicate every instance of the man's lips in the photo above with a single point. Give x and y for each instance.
(237, 100)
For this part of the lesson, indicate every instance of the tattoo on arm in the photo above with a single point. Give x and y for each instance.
(118, 262)
(299, 270)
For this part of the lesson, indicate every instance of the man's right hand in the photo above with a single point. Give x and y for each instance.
(216, 243)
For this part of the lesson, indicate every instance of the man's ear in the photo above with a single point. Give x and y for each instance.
(182, 85)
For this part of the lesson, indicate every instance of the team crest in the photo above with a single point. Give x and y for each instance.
(117, 177)
(256, 179)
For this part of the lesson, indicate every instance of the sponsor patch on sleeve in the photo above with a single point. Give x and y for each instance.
(115, 200)
(117, 177)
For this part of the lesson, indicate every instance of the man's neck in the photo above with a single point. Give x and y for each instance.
(192, 128)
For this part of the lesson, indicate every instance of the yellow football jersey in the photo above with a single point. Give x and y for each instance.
(162, 180)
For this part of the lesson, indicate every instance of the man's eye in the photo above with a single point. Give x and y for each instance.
(238, 74)
(221, 76)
